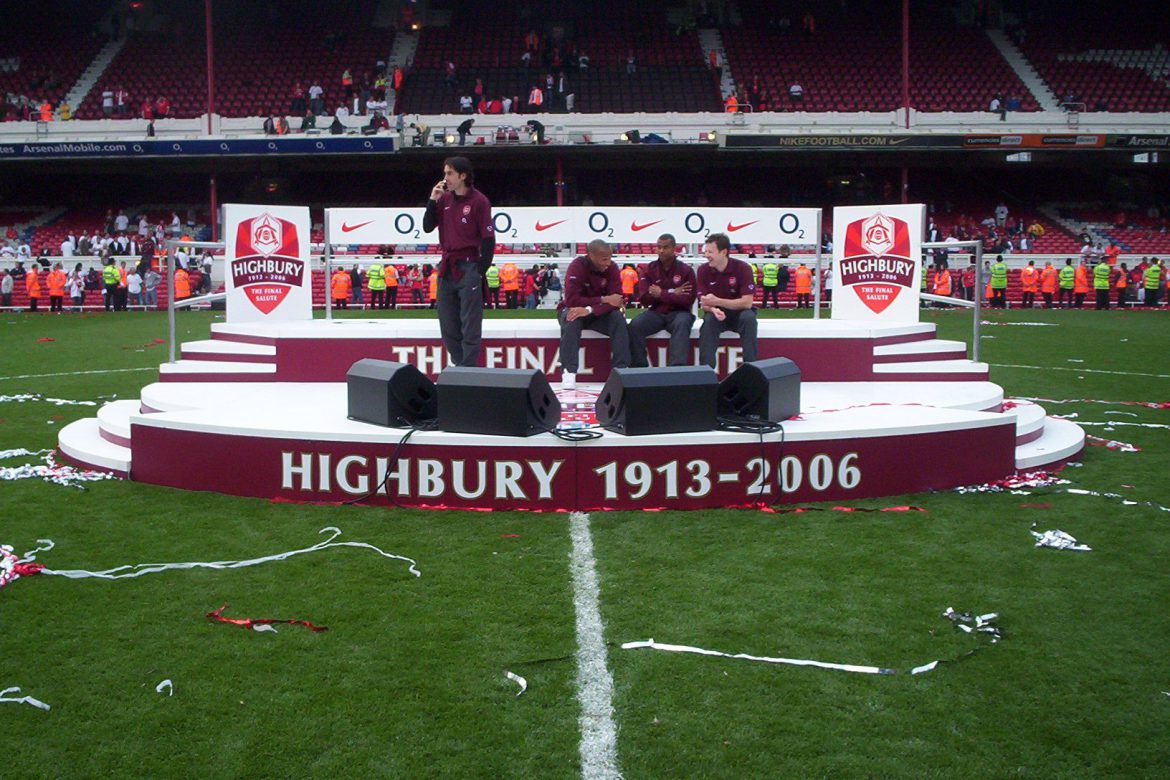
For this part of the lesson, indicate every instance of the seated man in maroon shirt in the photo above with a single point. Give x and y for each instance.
(666, 292)
(593, 299)
(727, 290)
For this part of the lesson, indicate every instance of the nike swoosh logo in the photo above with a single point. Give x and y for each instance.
(350, 228)
(732, 228)
(549, 225)
(636, 227)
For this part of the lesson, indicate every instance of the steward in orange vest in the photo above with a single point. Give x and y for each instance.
(339, 285)
(1029, 283)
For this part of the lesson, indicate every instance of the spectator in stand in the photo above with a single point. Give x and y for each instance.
(148, 109)
(997, 107)
(347, 83)
(121, 102)
(631, 63)
(378, 122)
(121, 222)
(297, 103)
(107, 102)
(535, 99)
(317, 99)
(796, 94)
(308, 121)
(967, 282)
(176, 225)
(6, 287)
(162, 107)
(466, 105)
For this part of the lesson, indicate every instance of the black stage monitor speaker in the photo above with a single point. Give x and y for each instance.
(496, 401)
(676, 399)
(391, 394)
(767, 389)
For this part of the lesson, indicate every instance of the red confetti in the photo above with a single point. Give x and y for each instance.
(509, 536)
(45, 338)
(799, 509)
(253, 622)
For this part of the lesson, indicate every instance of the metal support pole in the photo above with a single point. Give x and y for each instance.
(170, 299)
(328, 257)
(210, 66)
(817, 291)
(978, 298)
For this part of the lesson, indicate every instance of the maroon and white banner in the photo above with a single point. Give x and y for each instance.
(573, 224)
(547, 475)
(267, 256)
(877, 256)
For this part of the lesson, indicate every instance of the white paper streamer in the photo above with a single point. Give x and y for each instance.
(982, 624)
(22, 398)
(138, 569)
(4, 697)
(165, 685)
(518, 680)
(264, 627)
(1059, 540)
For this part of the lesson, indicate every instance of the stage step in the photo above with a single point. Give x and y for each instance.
(1060, 441)
(114, 421)
(1030, 419)
(218, 349)
(932, 349)
(214, 371)
(932, 369)
(82, 442)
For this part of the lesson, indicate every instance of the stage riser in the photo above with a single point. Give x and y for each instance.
(328, 360)
(565, 477)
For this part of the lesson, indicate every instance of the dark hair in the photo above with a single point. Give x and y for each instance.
(461, 164)
(668, 237)
(720, 240)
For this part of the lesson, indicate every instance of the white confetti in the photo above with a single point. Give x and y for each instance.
(165, 685)
(264, 627)
(1059, 540)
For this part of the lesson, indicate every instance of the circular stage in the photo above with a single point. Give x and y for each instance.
(261, 409)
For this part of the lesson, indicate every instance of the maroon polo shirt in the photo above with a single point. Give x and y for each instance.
(736, 281)
(585, 285)
(463, 223)
(656, 274)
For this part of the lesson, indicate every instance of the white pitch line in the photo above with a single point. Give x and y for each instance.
(1082, 370)
(594, 682)
(78, 373)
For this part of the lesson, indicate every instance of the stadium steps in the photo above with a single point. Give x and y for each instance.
(227, 351)
(926, 370)
(1025, 70)
(1061, 440)
(213, 371)
(82, 442)
(930, 349)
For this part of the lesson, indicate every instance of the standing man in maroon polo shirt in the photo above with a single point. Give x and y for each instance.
(468, 239)
(593, 299)
(667, 293)
(727, 291)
